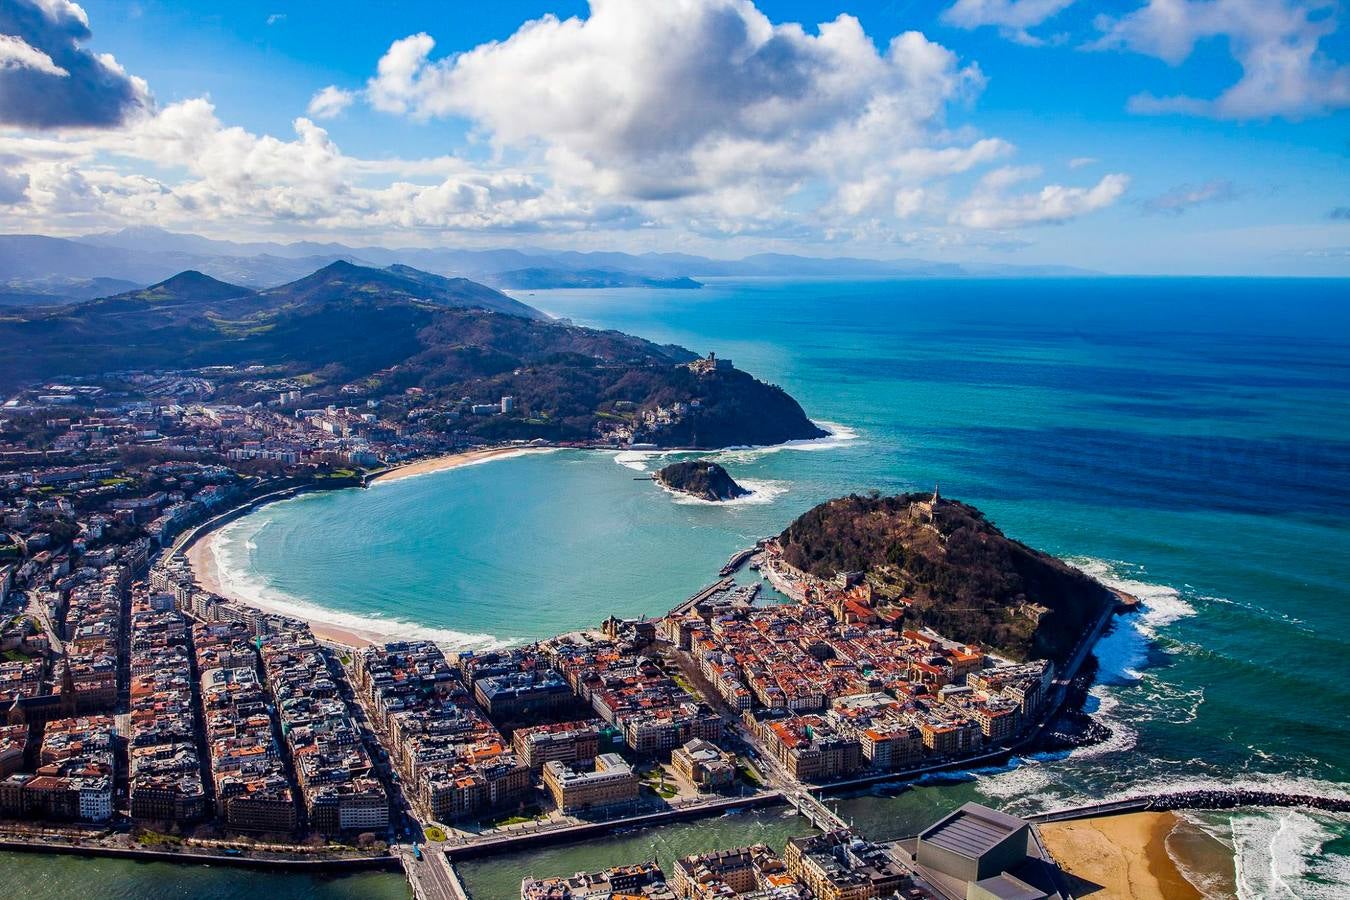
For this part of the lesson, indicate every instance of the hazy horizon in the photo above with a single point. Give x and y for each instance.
(1163, 137)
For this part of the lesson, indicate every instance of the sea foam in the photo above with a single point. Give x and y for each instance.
(761, 492)
(1278, 854)
(839, 436)
(1123, 651)
(231, 551)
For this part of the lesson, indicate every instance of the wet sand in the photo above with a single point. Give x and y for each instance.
(1120, 856)
(203, 563)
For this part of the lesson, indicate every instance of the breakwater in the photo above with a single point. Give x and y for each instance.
(1197, 799)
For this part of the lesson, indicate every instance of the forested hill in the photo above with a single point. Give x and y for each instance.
(349, 331)
(952, 570)
(702, 479)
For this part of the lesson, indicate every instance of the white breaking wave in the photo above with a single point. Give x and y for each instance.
(839, 436)
(1122, 652)
(1123, 735)
(238, 581)
(1279, 855)
(1026, 779)
(634, 459)
(1121, 655)
(761, 492)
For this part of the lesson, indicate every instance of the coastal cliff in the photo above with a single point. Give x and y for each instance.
(704, 480)
(946, 566)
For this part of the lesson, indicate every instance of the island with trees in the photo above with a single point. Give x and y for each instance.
(702, 479)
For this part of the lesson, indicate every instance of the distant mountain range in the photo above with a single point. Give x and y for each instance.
(41, 269)
(397, 332)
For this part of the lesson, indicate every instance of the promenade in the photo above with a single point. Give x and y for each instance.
(55, 841)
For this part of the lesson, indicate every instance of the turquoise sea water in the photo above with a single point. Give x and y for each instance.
(1188, 438)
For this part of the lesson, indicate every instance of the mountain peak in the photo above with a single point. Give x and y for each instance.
(342, 267)
(344, 280)
(189, 285)
(193, 278)
(193, 285)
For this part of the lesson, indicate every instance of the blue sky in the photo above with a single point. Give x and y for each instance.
(1136, 136)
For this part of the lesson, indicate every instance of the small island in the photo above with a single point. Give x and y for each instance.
(704, 480)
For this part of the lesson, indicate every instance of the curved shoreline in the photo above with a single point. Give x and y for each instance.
(198, 545)
(1127, 855)
(449, 461)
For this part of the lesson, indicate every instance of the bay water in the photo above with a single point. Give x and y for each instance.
(1185, 439)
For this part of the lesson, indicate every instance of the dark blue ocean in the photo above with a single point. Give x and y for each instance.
(1188, 439)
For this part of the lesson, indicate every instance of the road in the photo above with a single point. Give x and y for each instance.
(432, 877)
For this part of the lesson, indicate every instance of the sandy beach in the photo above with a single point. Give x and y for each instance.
(453, 461)
(1120, 856)
(203, 560)
(203, 563)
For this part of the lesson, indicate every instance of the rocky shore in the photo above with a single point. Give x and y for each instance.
(700, 479)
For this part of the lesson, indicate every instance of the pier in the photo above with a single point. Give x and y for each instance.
(738, 559)
(688, 606)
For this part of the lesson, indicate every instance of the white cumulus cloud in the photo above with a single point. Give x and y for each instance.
(48, 80)
(692, 119)
(1013, 18)
(653, 99)
(991, 206)
(16, 53)
(1278, 44)
(330, 102)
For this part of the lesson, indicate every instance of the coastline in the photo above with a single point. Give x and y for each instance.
(202, 558)
(452, 461)
(1125, 856)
